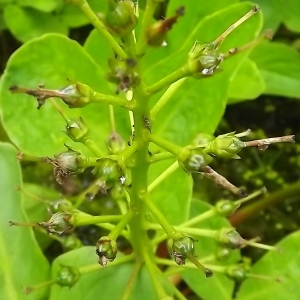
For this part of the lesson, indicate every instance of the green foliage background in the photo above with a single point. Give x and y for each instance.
(49, 56)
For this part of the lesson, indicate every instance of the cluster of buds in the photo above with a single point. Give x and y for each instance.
(123, 73)
(196, 158)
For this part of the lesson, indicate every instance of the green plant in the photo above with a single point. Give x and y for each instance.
(149, 183)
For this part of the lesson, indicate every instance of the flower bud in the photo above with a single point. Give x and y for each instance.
(106, 249)
(109, 171)
(67, 163)
(121, 19)
(76, 94)
(123, 73)
(77, 130)
(237, 273)
(196, 160)
(225, 146)
(58, 223)
(230, 238)
(71, 242)
(156, 33)
(226, 207)
(181, 247)
(202, 139)
(116, 144)
(61, 205)
(67, 276)
(203, 60)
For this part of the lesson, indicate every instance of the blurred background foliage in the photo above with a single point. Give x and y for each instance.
(269, 77)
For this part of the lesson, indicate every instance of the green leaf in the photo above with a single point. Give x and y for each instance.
(291, 12)
(173, 195)
(247, 83)
(93, 44)
(42, 5)
(197, 106)
(280, 68)
(285, 265)
(107, 283)
(22, 262)
(52, 59)
(218, 286)
(27, 23)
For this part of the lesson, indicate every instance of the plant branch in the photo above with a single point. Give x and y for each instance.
(88, 12)
(168, 80)
(158, 180)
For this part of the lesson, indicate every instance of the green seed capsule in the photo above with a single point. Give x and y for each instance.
(77, 130)
(121, 19)
(106, 249)
(67, 276)
(230, 238)
(226, 207)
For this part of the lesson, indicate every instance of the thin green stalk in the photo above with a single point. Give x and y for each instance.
(206, 215)
(89, 143)
(167, 227)
(160, 156)
(132, 280)
(193, 231)
(158, 180)
(164, 99)
(110, 227)
(112, 118)
(161, 294)
(80, 219)
(129, 151)
(122, 224)
(146, 22)
(168, 80)
(86, 9)
(161, 142)
(270, 200)
(95, 267)
(112, 100)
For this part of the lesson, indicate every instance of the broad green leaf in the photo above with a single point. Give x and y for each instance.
(280, 68)
(218, 286)
(106, 283)
(291, 12)
(198, 105)
(173, 195)
(97, 47)
(285, 265)
(22, 262)
(52, 59)
(42, 5)
(27, 23)
(247, 83)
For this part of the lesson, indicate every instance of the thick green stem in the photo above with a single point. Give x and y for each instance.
(168, 80)
(86, 9)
